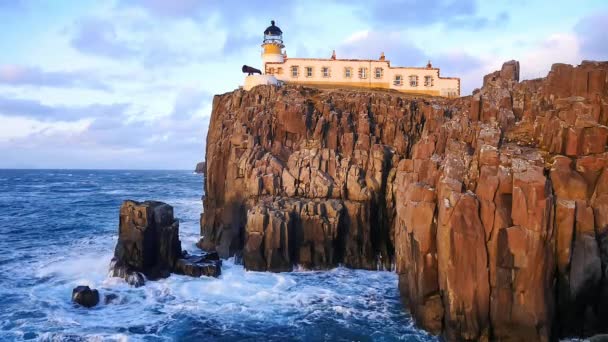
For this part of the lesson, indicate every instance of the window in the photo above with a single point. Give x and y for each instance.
(413, 81)
(428, 81)
(348, 71)
(325, 71)
(279, 71)
(294, 71)
(308, 71)
(398, 80)
(363, 73)
(378, 72)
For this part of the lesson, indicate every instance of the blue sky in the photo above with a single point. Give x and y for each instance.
(129, 83)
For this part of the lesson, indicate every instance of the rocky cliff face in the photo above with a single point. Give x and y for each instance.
(492, 207)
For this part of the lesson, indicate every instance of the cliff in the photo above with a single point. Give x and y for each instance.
(492, 207)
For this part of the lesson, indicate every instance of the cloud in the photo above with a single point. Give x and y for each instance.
(140, 39)
(19, 127)
(231, 11)
(236, 42)
(102, 135)
(369, 44)
(98, 37)
(35, 109)
(411, 13)
(456, 62)
(477, 23)
(105, 142)
(470, 69)
(163, 133)
(16, 75)
(188, 101)
(536, 58)
(592, 33)
(170, 8)
(557, 48)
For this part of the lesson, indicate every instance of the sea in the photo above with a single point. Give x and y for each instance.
(58, 229)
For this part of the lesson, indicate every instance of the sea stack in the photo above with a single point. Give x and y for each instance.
(148, 245)
(200, 167)
(492, 207)
(148, 240)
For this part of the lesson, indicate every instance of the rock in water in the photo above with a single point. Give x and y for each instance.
(493, 207)
(85, 296)
(207, 264)
(148, 241)
(148, 246)
(200, 167)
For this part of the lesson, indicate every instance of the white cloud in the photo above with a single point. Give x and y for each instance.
(370, 44)
(19, 127)
(557, 48)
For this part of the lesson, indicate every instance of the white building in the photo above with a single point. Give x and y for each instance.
(335, 72)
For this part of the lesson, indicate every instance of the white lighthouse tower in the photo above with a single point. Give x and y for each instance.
(272, 45)
(271, 53)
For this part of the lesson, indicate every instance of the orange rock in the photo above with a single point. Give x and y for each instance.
(462, 265)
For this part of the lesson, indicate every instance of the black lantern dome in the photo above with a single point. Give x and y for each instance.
(273, 30)
(273, 34)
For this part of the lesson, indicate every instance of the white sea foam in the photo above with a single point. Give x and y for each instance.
(238, 295)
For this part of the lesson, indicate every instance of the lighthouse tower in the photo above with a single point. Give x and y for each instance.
(272, 45)
(271, 53)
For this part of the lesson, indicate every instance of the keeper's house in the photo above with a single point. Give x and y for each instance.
(367, 73)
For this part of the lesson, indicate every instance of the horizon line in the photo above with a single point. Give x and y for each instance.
(88, 169)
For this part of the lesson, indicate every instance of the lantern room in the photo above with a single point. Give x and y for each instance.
(272, 45)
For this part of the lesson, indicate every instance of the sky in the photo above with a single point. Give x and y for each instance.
(128, 84)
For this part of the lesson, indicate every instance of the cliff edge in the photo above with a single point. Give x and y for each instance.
(492, 207)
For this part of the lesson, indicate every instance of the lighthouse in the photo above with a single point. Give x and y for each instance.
(272, 46)
(337, 72)
(272, 53)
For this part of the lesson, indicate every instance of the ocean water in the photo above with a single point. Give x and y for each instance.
(58, 229)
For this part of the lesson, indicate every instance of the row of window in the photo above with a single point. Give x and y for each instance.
(326, 72)
(428, 80)
(362, 74)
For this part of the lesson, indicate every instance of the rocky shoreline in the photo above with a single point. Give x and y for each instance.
(492, 207)
(148, 248)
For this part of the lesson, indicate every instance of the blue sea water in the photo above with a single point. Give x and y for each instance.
(58, 229)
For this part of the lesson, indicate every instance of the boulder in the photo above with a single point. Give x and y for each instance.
(85, 296)
(206, 264)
